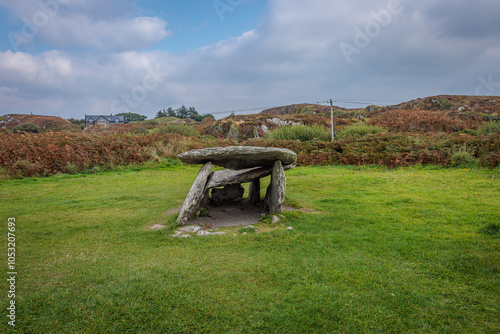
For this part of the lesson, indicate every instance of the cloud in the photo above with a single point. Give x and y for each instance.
(293, 56)
(464, 19)
(104, 26)
(113, 35)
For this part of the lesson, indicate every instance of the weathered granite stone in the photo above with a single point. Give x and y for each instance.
(205, 233)
(239, 157)
(190, 229)
(275, 195)
(254, 192)
(228, 176)
(194, 198)
(229, 194)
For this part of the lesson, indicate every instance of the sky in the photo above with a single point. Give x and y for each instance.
(69, 58)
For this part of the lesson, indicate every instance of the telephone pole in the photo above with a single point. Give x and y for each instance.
(333, 125)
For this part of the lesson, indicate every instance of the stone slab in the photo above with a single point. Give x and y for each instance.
(239, 157)
(228, 176)
(192, 203)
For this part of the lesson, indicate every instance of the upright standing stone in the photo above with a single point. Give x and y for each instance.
(196, 195)
(276, 192)
(254, 192)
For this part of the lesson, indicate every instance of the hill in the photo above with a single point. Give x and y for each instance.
(303, 108)
(441, 113)
(485, 105)
(139, 127)
(47, 123)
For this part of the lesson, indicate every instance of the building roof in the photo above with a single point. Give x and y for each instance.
(109, 118)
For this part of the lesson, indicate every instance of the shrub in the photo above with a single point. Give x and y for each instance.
(489, 127)
(151, 122)
(424, 121)
(463, 157)
(445, 104)
(27, 127)
(360, 131)
(302, 133)
(181, 129)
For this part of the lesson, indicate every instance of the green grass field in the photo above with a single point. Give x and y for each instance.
(411, 250)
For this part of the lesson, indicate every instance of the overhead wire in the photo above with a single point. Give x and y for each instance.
(346, 101)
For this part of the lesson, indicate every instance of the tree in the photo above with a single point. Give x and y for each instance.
(200, 118)
(132, 117)
(161, 114)
(192, 112)
(170, 112)
(79, 122)
(183, 112)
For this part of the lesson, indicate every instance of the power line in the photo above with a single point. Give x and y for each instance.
(356, 100)
(346, 101)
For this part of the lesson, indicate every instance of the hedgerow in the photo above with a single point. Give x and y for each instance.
(26, 155)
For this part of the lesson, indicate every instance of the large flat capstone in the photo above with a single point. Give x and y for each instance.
(239, 157)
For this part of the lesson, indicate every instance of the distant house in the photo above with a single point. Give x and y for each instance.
(91, 120)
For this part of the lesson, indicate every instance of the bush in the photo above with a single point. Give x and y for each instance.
(151, 122)
(359, 131)
(463, 157)
(302, 133)
(424, 121)
(489, 127)
(27, 127)
(181, 129)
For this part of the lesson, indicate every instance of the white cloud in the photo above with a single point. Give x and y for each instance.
(294, 56)
(116, 35)
(84, 25)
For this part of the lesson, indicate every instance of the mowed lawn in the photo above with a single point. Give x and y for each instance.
(413, 250)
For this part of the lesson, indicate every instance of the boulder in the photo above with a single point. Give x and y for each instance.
(239, 157)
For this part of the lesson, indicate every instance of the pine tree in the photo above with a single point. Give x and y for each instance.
(192, 113)
(183, 112)
(170, 112)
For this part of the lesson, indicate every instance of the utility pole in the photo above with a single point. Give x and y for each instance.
(333, 125)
